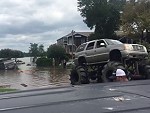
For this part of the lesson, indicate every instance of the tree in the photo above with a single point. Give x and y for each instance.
(102, 15)
(119, 4)
(44, 62)
(9, 53)
(17, 54)
(33, 50)
(36, 50)
(41, 50)
(56, 52)
(136, 18)
(6, 53)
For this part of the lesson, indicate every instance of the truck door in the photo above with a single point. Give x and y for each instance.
(90, 52)
(101, 51)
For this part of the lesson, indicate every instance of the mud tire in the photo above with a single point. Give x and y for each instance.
(79, 75)
(110, 69)
(147, 72)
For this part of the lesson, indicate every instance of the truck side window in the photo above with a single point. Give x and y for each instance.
(100, 43)
(81, 48)
(90, 46)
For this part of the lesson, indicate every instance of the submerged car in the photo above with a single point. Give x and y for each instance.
(7, 64)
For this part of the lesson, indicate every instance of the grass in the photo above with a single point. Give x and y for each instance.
(6, 90)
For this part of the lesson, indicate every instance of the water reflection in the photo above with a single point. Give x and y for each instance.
(28, 77)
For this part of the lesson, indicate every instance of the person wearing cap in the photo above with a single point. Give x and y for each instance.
(121, 76)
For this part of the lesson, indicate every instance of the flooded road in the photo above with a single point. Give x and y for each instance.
(29, 77)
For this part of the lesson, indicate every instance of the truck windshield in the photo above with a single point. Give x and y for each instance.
(113, 42)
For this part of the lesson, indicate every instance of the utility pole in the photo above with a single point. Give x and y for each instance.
(72, 33)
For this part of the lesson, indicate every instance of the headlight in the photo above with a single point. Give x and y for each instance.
(145, 49)
(128, 47)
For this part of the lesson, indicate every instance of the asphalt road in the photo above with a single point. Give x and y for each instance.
(125, 97)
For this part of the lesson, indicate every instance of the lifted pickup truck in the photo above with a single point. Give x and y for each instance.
(99, 59)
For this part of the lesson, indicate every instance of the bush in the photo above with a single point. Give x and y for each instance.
(44, 62)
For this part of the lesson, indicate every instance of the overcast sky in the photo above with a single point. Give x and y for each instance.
(37, 21)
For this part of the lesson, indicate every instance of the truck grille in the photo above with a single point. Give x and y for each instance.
(138, 48)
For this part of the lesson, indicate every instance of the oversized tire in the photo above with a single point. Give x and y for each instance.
(79, 75)
(108, 72)
(144, 71)
(82, 61)
(147, 71)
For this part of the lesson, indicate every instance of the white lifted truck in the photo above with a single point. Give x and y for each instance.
(99, 59)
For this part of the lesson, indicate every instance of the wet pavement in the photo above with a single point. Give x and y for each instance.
(125, 97)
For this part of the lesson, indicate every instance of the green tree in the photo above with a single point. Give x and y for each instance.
(9, 53)
(36, 50)
(26, 54)
(102, 15)
(44, 62)
(119, 4)
(41, 50)
(6, 53)
(136, 18)
(17, 54)
(33, 50)
(56, 52)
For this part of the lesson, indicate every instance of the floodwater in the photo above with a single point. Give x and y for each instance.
(30, 77)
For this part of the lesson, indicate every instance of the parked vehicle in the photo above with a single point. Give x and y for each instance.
(99, 59)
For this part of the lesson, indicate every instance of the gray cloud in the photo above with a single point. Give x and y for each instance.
(37, 21)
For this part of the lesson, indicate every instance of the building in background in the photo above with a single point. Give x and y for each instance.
(72, 40)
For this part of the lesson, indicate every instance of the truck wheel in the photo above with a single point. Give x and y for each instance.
(108, 72)
(147, 72)
(82, 61)
(79, 75)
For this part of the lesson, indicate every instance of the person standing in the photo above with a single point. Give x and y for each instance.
(64, 63)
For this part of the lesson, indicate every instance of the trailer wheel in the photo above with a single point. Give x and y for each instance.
(79, 75)
(108, 72)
